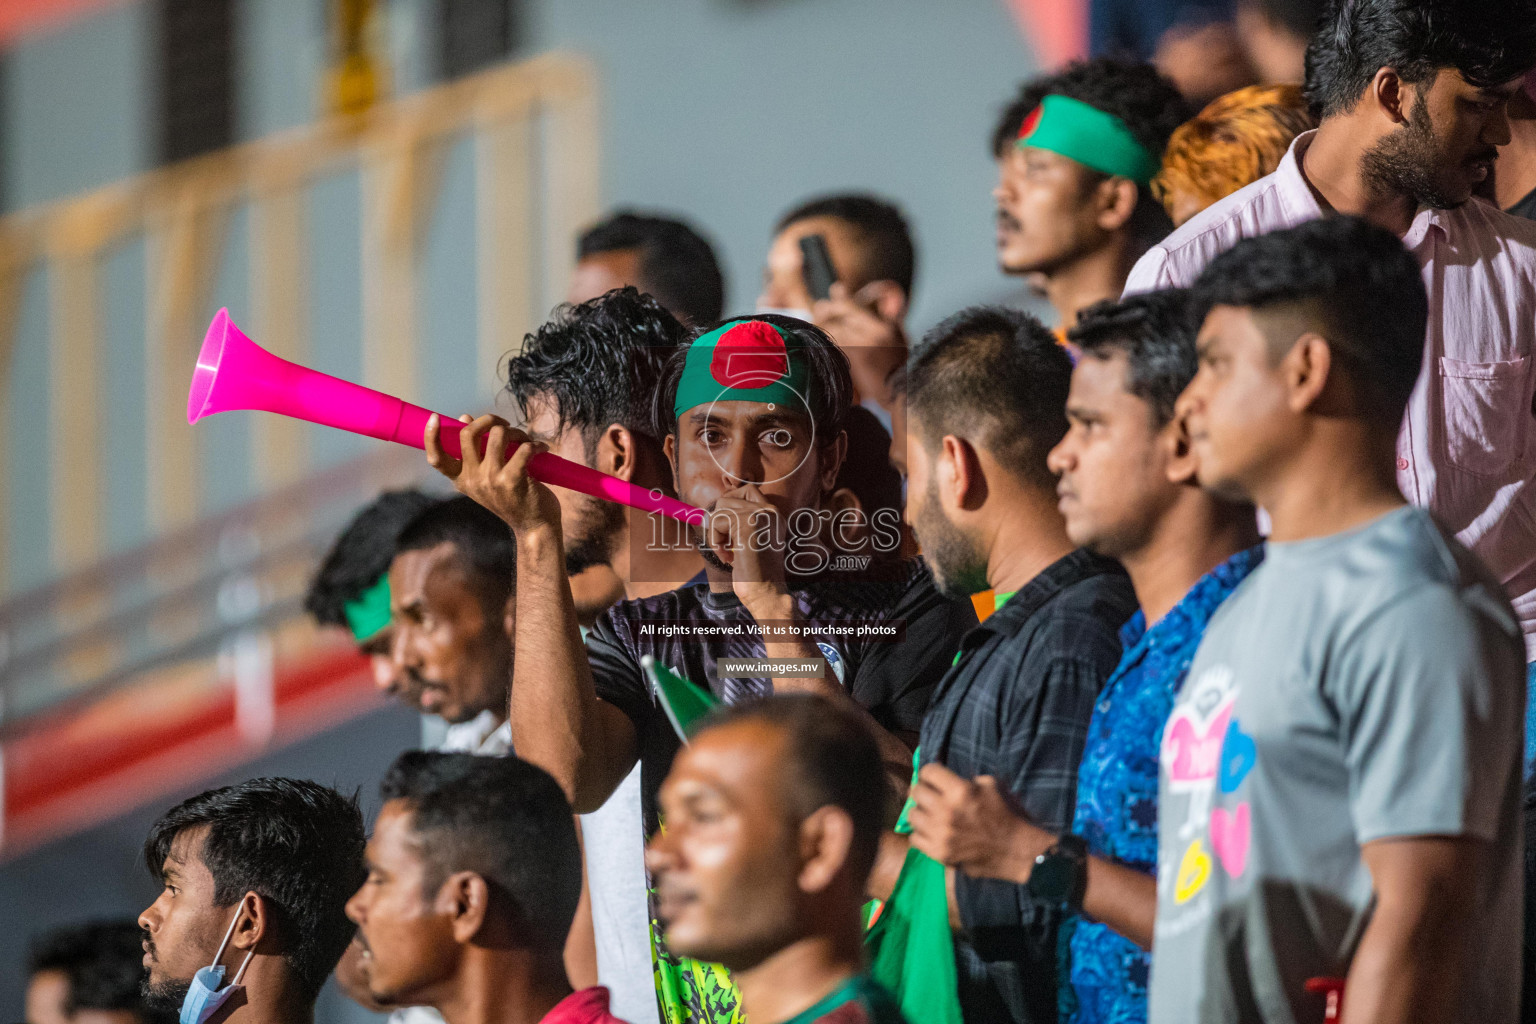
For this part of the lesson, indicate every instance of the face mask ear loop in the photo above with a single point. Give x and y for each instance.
(227, 936)
(241, 972)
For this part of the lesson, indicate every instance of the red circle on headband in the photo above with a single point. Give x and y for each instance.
(749, 355)
(1030, 123)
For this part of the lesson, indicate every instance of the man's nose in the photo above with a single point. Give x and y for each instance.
(354, 908)
(385, 679)
(1060, 458)
(742, 464)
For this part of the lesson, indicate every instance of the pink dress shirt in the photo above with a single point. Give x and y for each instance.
(1467, 449)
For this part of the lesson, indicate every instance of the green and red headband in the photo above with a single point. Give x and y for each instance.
(1077, 131)
(743, 361)
(368, 613)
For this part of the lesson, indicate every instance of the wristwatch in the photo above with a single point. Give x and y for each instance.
(1060, 874)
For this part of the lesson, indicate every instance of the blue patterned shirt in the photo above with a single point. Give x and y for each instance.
(1105, 975)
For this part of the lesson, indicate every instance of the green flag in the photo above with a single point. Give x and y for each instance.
(911, 949)
(683, 701)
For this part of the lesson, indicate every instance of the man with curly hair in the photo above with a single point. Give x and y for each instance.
(1076, 152)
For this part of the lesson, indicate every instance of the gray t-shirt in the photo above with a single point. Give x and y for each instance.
(1356, 687)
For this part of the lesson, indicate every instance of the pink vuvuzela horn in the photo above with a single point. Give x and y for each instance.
(233, 372)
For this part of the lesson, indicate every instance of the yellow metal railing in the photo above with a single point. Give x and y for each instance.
(534, 129)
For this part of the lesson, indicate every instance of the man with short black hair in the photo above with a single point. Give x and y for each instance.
(473, 876)
(1413, 98)
(875, 261)
(351, 588)
(584, 383)
(1127, 491)
(453, 606)
(986, 402)
(774, 812)
(256, 878)
(662, 256)
(89, 974)
(1076, 153)
(1341, 774)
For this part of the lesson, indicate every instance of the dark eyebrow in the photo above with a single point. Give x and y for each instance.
(1077, 412)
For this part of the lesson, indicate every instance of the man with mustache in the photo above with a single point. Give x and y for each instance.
(1414, 97)
(986, 403)
(473, 875)
(255, 880)
(451, 587)
(752, 417)
(1076, 152)
(774, 814)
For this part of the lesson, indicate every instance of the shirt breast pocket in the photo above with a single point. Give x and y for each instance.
(1485, 413)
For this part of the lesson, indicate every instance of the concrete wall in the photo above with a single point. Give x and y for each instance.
(728, 110)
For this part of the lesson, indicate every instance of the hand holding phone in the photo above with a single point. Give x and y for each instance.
(816, 267)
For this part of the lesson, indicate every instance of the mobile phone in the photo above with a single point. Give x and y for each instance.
(816, 266)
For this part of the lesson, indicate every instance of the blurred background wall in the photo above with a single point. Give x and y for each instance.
(726, 111)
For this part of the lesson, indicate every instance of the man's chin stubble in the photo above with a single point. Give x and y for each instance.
(164, 995)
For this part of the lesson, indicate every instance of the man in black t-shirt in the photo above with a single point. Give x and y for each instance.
(753, 418)
(752, 413)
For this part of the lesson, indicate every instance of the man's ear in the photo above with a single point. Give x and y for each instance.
(616, 452)
(887, 298)
(1117, 202)
(669, 452)
(1173, 439)
(509, 615)
(826, 840)
(1391, 94)
(1308, 368)
(962, 482)
(255, 923)
(832, 465)
(464, 898)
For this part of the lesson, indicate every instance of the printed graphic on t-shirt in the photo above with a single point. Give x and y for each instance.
(1205, 752)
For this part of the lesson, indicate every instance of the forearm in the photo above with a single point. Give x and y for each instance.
(555, 711)
(1121, 898)
(1405, 970)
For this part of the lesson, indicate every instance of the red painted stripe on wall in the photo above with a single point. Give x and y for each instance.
(25, 17)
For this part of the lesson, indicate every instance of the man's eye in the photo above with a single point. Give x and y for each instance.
(778, 438)
(711, 437)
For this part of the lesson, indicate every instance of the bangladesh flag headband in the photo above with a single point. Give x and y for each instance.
(1086, 134)
(368, 613)
(742, 361)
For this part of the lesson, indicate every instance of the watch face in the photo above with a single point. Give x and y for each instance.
(1051, 879)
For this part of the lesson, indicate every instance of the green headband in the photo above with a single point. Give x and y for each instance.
(1086, 134)
(368, 613)
(742, 361)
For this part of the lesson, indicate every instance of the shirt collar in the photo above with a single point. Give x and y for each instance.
(1195, 608)
(1292, 188)
(1030, 598)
